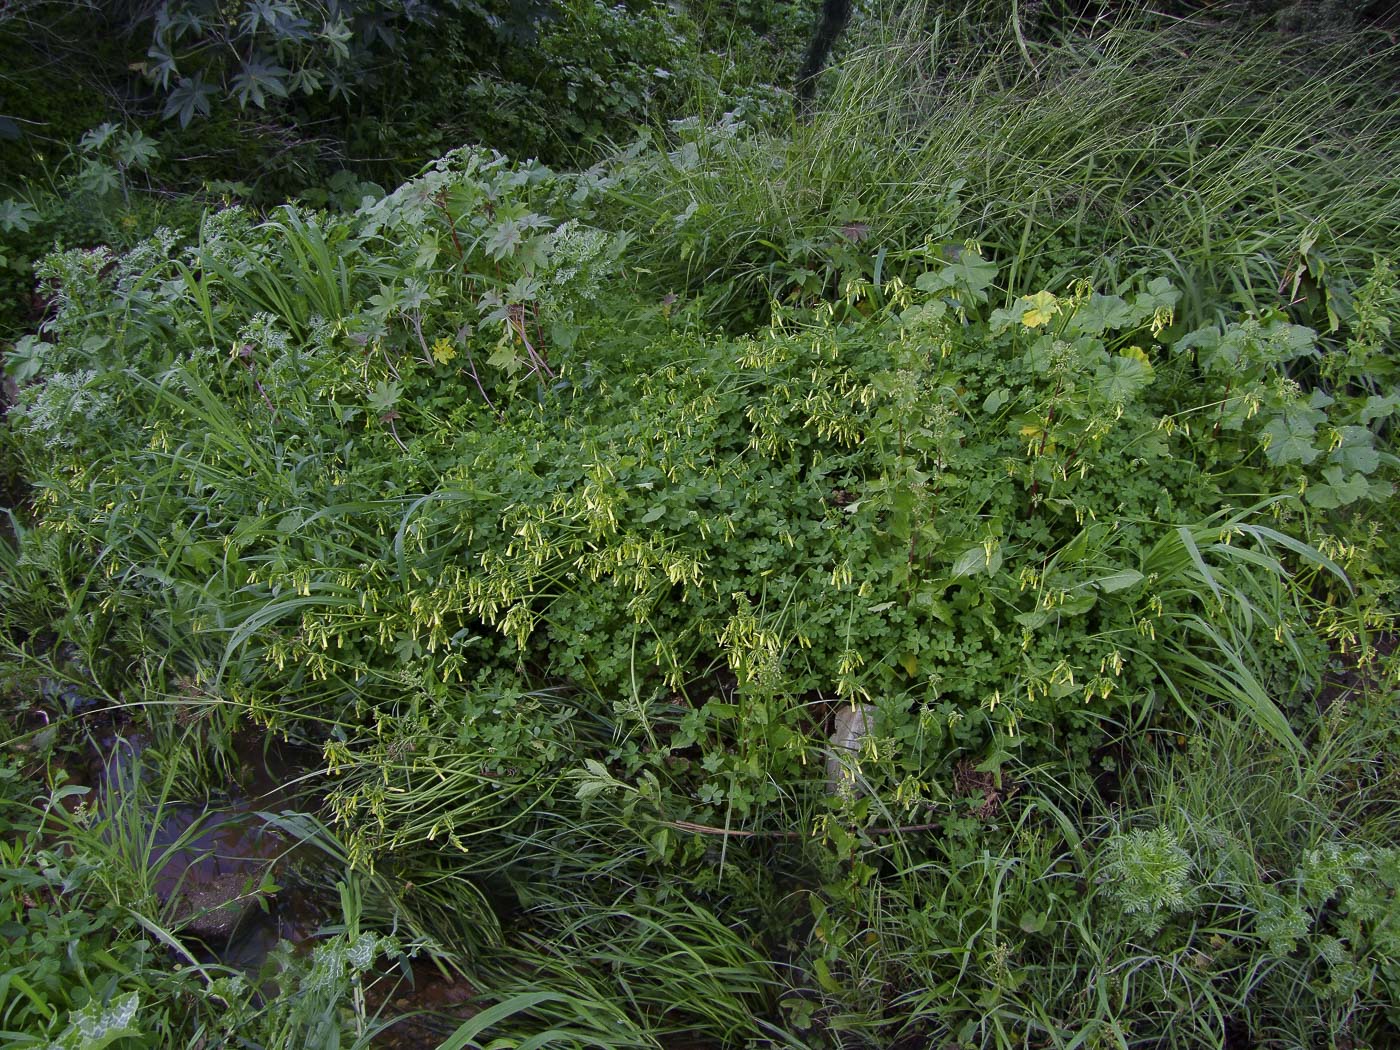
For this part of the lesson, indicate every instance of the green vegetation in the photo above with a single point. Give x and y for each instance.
(916, 574)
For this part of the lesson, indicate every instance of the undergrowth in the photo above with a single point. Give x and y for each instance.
(1031, 411)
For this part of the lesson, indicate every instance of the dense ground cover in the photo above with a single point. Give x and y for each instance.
(921, 575)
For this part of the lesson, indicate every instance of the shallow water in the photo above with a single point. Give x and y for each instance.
(227, 876)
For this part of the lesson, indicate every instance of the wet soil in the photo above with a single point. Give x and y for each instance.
(1349, 678)
(431, 1005)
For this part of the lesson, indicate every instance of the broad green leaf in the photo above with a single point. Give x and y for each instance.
(994, 561)
(1374, 408)
(1121, 378)
(1338, 490)
(1101, 314)
(1076, 606)
(26, 358)
(1160, 295)
(1034, 921)
(970, 561)
(924, 313)
(1119, 581)
(1206, 339)
(1290, 435)
(979, 559)
(1288, 342)
(1357, 452)
(970, 273)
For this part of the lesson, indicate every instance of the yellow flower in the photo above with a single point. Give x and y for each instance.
(443, 351)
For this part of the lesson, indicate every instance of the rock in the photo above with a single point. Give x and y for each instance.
(853, 722)
(211, 866)
(208, 862)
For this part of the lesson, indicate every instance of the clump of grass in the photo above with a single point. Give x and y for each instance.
(1233, 162)
(1235, 890)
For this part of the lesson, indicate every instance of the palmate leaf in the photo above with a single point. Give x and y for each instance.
(1290, 435)
(279, 19)
(1288, 342)
(1377, 407)
(160, 66)
(384, 396)
(136, 150)
(502, 239)
(1101, 313)
(1160, 295)
(189, 99)
(337, 36)
(1337, 489)
(98, 178)
(386, 301)
(337, 86)
(970, 273)
(16, 215)
(95, 139)
(258, 79)
(505, 358)
(180, 21)
(1356, 451)
(260, 13)
(1121, 379)
(306, 80)
(1041, 308)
